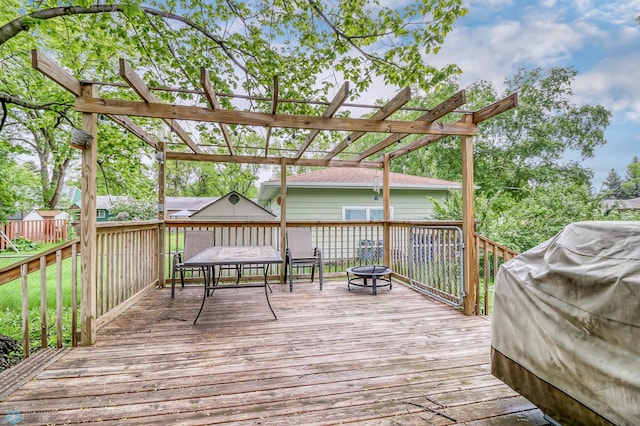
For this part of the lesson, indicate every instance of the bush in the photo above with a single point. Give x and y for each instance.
(24, 244)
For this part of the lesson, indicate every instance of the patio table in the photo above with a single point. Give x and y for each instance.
(220, 256)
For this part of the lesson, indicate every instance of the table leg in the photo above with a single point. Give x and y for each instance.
(266, 293)
(375, 290)
(207, 277)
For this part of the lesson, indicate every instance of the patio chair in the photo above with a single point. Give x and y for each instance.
(194, 243)
(300, 252)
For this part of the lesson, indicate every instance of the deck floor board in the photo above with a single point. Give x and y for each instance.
(332, 357)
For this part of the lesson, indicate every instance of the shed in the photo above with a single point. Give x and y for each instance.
(233, 206)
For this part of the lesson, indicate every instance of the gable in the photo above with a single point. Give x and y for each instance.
(233, 206)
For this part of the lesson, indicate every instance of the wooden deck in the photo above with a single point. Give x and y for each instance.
(332, 357)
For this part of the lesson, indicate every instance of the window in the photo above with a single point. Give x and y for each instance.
(364, 213)
(101, 214)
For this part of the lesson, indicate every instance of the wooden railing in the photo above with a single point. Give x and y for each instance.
(489, 256)
(127, 261)
(127, 264)
(61, 261)
(344, 243)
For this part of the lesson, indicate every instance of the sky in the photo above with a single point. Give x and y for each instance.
(599, 39)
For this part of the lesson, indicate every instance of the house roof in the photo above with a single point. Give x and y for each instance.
(630, 204)
(192, 204)
(226, 196)
(354, 177)
(49, 213)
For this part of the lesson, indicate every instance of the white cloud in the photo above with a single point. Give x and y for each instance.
(614, 84)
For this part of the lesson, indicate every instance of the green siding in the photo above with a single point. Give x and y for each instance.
(327, 203)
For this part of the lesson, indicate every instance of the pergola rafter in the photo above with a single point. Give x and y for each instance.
(88, 102)
(205, 82)
(338, 100)
(274, 108)
(141, 88)
(439, 111)
(385, 111)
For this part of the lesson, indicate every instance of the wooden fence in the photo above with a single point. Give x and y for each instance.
(40, 231)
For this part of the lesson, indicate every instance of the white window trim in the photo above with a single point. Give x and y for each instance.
(367, 210)
(101, 214)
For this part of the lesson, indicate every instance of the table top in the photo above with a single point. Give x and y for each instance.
(235, 255)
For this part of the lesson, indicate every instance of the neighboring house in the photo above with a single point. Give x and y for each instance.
(233, 206)
(32, 215)
(183, 207)
(53, 214)
(343, 193)
(70, 198)
(104, 203)
(631, 204)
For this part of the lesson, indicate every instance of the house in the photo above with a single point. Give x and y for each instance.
(104, 203)
(345, 193)
(53, 214)
(233, 206)
(183, 207)
(632, 204)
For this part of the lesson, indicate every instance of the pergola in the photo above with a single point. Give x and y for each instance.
(430, 126)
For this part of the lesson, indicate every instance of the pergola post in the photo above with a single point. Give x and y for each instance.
(283, 213)
(468, 223)
(386, 203)
(162, 209)
(88, 230)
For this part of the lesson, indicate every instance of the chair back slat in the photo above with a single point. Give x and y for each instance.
(195, 242)
(299, 242)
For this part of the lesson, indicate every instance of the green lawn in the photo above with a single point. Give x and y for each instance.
(11, 298)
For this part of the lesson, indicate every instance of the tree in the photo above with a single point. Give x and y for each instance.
(520, 158)
(612, 186)
(241, 44)
(17, 191)
(209, 179)
(631, 185)
(127, 209)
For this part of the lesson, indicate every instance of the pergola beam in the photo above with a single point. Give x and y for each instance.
(141, 88)
(245, 159)
(52, 70)
(495, 108)
(389, 108)
(440, 111)
(211, 96)
(194, 113)
(334, 106)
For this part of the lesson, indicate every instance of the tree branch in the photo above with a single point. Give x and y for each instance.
(24, 23)
(349, 39)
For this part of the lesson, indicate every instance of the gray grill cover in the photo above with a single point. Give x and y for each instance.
(567, 312)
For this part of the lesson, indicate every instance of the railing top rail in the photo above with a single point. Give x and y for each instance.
(11, 272)
(128, 224)
(179, 222)
(497, 245)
